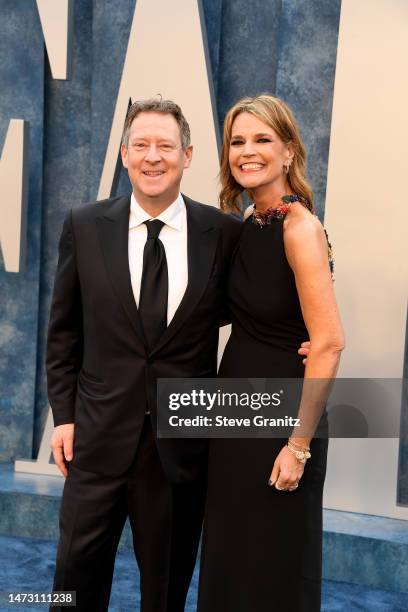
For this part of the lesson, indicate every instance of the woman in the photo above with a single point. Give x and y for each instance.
(263, 526)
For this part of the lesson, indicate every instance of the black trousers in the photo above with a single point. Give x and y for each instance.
(166, 523)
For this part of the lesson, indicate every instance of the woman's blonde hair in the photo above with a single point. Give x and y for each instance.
(279, 117)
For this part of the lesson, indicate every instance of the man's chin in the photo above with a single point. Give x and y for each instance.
(155, 198)
(153, 193)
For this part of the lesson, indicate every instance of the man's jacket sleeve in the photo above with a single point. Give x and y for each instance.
(65, 339)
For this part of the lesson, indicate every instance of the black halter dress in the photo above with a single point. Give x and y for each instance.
(261, 548)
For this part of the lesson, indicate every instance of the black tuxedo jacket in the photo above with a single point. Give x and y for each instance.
(101, 376)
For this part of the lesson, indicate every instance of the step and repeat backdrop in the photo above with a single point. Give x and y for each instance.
(68, 71)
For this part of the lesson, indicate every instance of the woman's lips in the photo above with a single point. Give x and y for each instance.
(251, 167)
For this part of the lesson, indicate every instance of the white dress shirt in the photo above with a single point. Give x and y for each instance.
(174, 238)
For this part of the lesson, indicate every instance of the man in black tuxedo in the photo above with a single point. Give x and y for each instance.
(138, 296)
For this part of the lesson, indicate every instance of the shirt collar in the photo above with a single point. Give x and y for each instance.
(172, 216)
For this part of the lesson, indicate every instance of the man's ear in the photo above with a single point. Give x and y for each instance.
(124, 155)
(188, 155)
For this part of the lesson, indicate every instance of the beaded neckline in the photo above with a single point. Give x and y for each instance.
(266, 218)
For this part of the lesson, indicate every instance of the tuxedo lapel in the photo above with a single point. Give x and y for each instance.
(202, 239)
(113, 230)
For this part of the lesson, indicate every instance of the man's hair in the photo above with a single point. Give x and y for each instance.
(157, 105)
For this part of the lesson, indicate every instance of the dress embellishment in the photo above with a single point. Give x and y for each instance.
(268, 217)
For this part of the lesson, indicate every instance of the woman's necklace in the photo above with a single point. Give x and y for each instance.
(267, 217)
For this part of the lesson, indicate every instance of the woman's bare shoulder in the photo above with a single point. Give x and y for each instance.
(298, 212)
(301, 224)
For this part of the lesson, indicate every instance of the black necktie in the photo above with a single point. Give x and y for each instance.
(154, 285)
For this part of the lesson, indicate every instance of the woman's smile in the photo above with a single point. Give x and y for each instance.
(251, 167)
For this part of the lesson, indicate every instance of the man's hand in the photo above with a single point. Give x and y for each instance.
(62, 444)
(304, 350)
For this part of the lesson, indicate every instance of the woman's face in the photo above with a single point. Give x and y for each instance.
(257, 154)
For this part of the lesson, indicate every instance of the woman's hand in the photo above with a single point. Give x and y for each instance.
(304, 351)
(287, 471)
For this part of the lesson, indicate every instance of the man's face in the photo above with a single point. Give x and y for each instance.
(155, 158)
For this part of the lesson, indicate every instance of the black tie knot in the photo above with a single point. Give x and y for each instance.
(153, 228)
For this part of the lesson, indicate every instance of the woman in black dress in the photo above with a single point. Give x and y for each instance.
(261, 549)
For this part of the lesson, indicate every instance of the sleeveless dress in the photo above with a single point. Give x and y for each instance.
(261, 548)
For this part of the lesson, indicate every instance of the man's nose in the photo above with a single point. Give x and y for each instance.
(152, 154)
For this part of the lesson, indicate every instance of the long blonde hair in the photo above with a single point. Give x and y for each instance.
(280, 118)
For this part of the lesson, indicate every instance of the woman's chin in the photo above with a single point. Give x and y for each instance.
(249, 182)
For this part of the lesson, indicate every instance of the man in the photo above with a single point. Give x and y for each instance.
(138, 296)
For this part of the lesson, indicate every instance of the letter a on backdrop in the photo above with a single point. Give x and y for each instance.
(167, 55)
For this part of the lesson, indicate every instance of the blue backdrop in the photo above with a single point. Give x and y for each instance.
(284, 47)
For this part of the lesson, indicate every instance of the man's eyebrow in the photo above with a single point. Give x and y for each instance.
(164, 139)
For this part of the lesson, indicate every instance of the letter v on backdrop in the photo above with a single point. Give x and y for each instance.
(172, 36)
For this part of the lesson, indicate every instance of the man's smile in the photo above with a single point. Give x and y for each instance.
(153, 173)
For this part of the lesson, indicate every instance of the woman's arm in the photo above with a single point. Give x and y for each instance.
(306, 251)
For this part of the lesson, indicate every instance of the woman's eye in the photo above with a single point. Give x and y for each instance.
(264, 140)
(234, 143)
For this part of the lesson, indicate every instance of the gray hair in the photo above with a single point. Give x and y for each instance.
(157, 105)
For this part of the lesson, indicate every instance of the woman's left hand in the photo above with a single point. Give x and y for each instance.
(287, 471)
